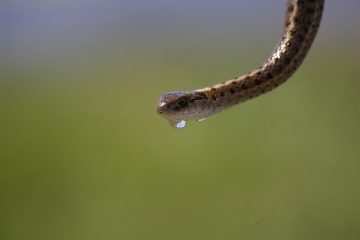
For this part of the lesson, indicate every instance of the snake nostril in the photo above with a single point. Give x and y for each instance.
(160, 109)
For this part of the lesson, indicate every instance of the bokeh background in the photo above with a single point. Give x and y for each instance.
(84, 155)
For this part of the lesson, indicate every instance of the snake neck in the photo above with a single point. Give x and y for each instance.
(302, 21)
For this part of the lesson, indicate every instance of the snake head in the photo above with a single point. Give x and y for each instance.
(178, 107)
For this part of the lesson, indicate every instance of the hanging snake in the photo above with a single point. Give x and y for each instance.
(302, 21)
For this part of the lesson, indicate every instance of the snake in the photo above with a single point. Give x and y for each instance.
(302, 21)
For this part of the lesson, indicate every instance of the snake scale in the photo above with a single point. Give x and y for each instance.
(302, 21)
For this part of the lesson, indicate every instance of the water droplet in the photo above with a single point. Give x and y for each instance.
(201, 119)
(181, 124)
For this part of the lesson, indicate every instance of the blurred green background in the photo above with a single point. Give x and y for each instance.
(85, 156)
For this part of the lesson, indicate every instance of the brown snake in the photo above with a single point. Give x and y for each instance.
(301, 24)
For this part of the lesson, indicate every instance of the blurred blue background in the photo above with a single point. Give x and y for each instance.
(85, 156)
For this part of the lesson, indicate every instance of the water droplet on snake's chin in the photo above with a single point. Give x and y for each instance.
(177, 124)
(181, 124)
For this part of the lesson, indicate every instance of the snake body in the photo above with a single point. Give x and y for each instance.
(302, 21)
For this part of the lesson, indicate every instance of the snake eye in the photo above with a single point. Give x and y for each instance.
(179, 104)
(182, 102)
